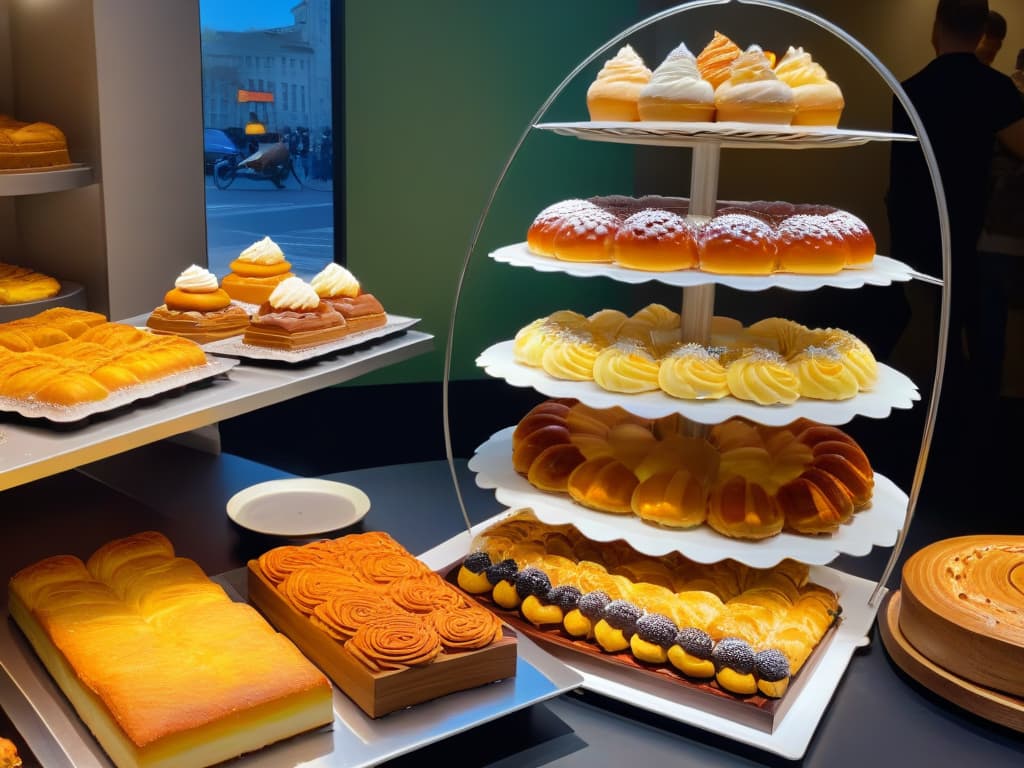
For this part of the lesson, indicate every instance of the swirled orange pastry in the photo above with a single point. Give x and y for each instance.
(277, 563)
(395, 642)
(350, 608)
(383, 567)
(466, 627)
(424, 594)
(614, 95)
(714, 60)
(308, 587)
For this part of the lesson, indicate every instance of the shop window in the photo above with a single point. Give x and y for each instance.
(279, 180)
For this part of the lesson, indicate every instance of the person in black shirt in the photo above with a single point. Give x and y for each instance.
(965, 107)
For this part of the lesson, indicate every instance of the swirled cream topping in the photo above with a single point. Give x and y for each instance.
(808, 80)
(822, 374)
(692, 372)
(626, 366)
(296, 294)
(751, 79)
(264, 251)
(196, 279)
(334, 280)
(762, 376)
(621, 76)
(678, 79)
(713, 62)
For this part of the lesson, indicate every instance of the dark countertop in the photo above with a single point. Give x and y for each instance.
(877, 717)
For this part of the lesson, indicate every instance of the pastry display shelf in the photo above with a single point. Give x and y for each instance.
(41, 181)
(883, 271)
(876, 526)
(893, 390)
(812, 692)
(70, 295)
(30, 450)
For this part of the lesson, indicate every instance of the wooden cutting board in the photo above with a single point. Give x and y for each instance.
(962, 608)
(991, 705)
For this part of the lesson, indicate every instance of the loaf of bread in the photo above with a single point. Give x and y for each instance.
(24, 146)
(21, 284)
(158, 661)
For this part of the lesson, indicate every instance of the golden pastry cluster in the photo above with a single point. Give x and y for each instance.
(723, 83)
(159, 647)
(68, 357)
(655, 233)
(383, 605)
(774, 361)
(749, 629)
(744, 480)
(31, 145)
(21, 284)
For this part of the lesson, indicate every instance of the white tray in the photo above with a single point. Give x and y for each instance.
(235, 347)
(30, 409)
(883, 271)
(725, 134)
(877, 526)
(812, 694)
(893, 390)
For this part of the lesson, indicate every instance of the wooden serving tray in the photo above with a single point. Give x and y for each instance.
(991, 705)
(756, 711)
(379, 693)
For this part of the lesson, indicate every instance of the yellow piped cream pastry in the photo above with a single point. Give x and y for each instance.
(753, 94)
(855, 354)
(677, 91)
(615, 94)
(626, 367)
(571, 356)
(762, 376)
(819, 101)
(693, 372)
(822, 375)
(714, 60)
(532, 340)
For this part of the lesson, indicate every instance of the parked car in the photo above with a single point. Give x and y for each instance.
(217, 145)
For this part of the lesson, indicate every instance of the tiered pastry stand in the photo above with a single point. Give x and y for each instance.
(885, 524)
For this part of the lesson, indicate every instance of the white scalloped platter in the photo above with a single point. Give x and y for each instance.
(893, 390)
(877, 526)
(883, 271)
(725, 134)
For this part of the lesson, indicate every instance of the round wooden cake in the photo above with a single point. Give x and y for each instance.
(962, 606)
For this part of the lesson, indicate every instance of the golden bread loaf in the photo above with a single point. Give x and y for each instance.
(21, 284)
(159, 662)
(744, 481)
(24, 146)
(662, 609)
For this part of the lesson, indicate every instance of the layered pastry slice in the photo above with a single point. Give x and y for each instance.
(31, 145)
(256, 272)
(198, 309)
(295, 317)
(338, 287)
(162, 666)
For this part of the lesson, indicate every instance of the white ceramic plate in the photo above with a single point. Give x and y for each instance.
(298, 507)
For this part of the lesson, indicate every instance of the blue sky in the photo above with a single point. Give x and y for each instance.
(231, 15)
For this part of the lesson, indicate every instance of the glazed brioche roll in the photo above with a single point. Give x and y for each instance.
(819, 101)
(809, 245)
(753, 94)
(540, 237)
(656, 241)
(738, 244)
(676, 90)
(614, 95)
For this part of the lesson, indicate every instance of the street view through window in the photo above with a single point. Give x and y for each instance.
(268, 138)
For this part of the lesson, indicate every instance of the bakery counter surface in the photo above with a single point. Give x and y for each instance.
(877, 716)
(32, 449)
